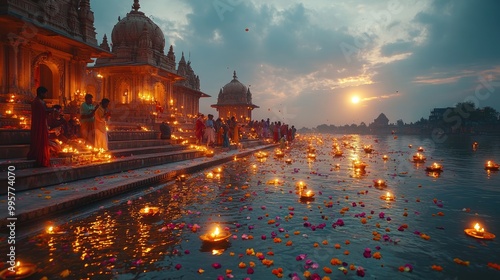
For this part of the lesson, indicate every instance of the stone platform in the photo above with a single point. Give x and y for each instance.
(37, 203)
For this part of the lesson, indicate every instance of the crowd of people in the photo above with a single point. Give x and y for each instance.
(222, 132)
(50, 127)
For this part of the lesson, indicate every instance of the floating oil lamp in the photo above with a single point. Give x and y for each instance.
(209, 153)
(420, 149)
(337, 166)
(311, 155)
(338, 153)
(385, 157)
(491, 165)
(380, 183)
(435, 167)
(149, 211)
(19, 271)
(307, 195)
(410, 146)
(274, 182)
(216, 236)
(288, 161)
(475, 145)
(418, 157)
(387, 197)
(359, 165)
(301, 185)
(479, 232)
(8, 113)
(368, 149)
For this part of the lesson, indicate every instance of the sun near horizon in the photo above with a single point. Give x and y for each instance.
(355, 99)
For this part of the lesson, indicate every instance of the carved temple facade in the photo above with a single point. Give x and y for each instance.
(51, 43)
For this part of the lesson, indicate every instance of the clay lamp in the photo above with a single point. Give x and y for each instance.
(307, 195)
(301, 185)
(216, 236)
(288, 161)
(418, 157)
(420, 149)
(149, 211)
(491, 165)
(380, 183)
(54, 230)
(479, 232)
(387, 197)
(311, 155)
(182, 178)
(209, 153)
(385, 157)
(19, 271)
(279, 154)
(435, 167)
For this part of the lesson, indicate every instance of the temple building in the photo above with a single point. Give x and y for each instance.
(43, 43)
(235, 99)
(140, 79)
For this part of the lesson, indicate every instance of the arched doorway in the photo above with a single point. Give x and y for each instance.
(46, 80)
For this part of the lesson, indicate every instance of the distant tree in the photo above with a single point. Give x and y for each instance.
(400, 122)
(362, 125)
(489, 115)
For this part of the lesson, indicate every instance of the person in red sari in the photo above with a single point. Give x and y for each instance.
(39, 144)
(199, 129)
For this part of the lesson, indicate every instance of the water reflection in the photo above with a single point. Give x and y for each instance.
(259, 199)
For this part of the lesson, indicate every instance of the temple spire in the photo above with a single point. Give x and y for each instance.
(136, 5)
(234, 75)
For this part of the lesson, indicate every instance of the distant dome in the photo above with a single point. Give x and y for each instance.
(132, 29)
(234, 92)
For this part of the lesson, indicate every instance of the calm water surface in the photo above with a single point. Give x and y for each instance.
(117, 243)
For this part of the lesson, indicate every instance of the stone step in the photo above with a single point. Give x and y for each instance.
(33, 178)
(134, 144)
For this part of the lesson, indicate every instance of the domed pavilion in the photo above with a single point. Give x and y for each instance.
(140, 79)
(235, 99)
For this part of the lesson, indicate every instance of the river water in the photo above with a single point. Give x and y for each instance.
(346, 229)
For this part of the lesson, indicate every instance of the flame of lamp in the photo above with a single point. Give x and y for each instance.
(21, 271)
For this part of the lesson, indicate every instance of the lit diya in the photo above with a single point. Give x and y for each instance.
(288, 161)
(217, 170)
(387, 197)
(479, 232)
(338, 153)
(385, 157)
(54, 230)
(311, 149)
(149, 211)
(274, 182)
(216, 236)
(181, 178)
(210, 175)
(418, 157)
(420, 149)
(491, 165)
(209, 153)
(380, 183)
(359, 165)
(19, 271)
(435, 167)
(301, 185)
(307, 195)
(368, 149)
(475, 145)
(279, 154)
(311, 156)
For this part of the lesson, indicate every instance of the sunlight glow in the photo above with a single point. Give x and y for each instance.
(355, 99)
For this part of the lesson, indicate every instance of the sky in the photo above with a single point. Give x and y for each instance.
(304, 61)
